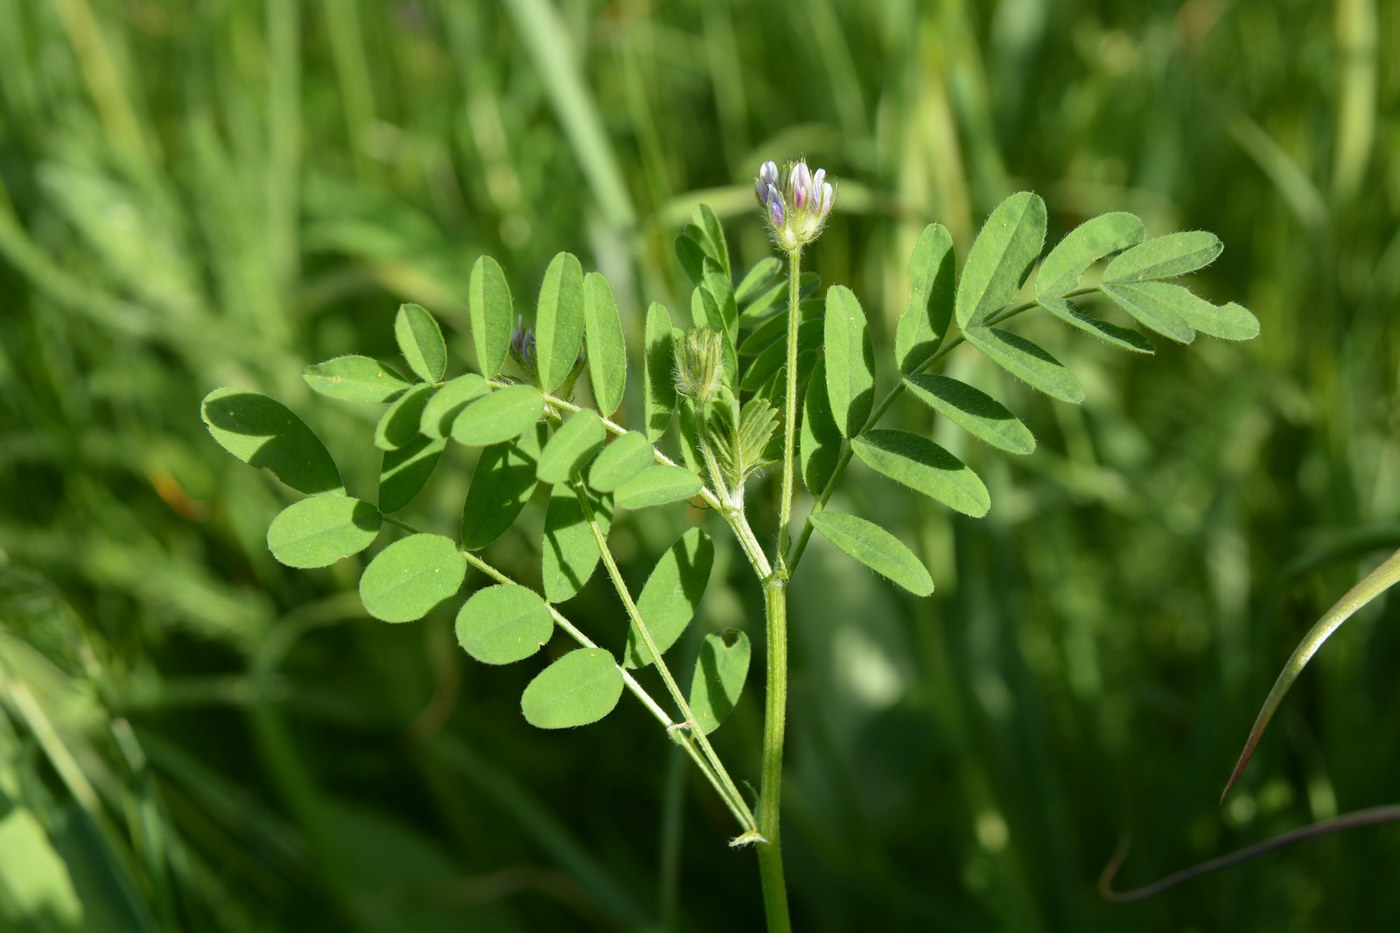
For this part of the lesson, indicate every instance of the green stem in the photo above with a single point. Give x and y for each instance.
(728, 790)
(770, 856)
(789, 408)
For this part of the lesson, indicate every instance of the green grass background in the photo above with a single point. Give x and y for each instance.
(205, 192)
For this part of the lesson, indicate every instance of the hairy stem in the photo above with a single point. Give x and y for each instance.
(789, 408)
(770, 856)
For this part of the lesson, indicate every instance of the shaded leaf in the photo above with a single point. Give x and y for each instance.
(658, 484)
(1083, 246)
(571, 447)
(671, 595)
(570, 555)
(932, 279)
(709, 233)
(581, 687)
(924, 467)
(355, 379)
(1164, 257)
(620, 461)
(973, 410)
(761, 273)
(504, 414)
(1027, 362)
(1001, 257)
(559, 321)
(320, 530)
(819, 439)
(850, 361)
(492, 315)
(1154, 305)
(448, 402)
(876, 548)
(404, 471)
(1124, 338)
(719, 678)
(659, 367)
(410, 577)
(607, 351)
(399, 423)
(503, 624)
(501, 485)
(264, 433)
(420, 341)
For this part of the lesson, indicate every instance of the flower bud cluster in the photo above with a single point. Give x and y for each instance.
(700, 364)
(795, 202)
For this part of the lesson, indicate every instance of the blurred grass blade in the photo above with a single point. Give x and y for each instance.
(1371, 586)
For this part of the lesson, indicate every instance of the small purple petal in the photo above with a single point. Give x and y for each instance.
(775, 207)
(801, 182)
(828, 195)
(768, 173)
(818, 177)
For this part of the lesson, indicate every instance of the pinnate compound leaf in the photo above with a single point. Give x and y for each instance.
(1027, 362)
(492, 315)
(850, 361)
(320, 530)
(355, 379)
(410, 577)
(719, 678)
(607, 351)
(818, 439)
(264, 433)
(1165, 257)
(571, 447)
(1154, 305)
(502, 483)
(876, 548)
(404, 471)
(581, 687)
(671, 595)
(503, 624)
(659, 365)
(447, 403)
(932, 278)
(570, 555)
(973, 410)
(504, 414)
(420, 341)
(924, 467)
(1124, 338)
(400, 422)
(1083, 246)
(559, 320)
(658, 484)
(1001, 257)
(620, 461)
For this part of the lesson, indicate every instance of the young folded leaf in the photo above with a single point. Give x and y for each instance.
(1095, 239)
(924, 467)
(972, 410)
(264, 433)
(320, 530)
(410, 577)
(876, 548)
(420, 341)
(581, 687)
(492, 315)
(709, 233)
(672, 592)
(1001, 257)
(1027, 362)
(559, 321)
(607, 352)
(719, 678)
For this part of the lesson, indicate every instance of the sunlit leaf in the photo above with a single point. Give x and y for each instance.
(876, 548)
(923, 466)
(1124, 338)
(572, 446)
(264, 433)
(932, 278)
(1083, 246)
(850, 361)
(1164, 257)
(581, 687)
(492, 315)
(757, 278)
(559, 320)
(1001, 257)
(1154, 305)
(504, 414)
(503, 624)
(320, 530)
(607, 352)
(448, 402)
(973, 410)
(658, 484)
(420, 341)
(671, 594)
(399, 423)
(620, 461)
(410, 577)
(1027, 362)
(355, 379)
(501, 485)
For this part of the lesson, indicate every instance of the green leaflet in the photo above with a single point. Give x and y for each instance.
(399, 423)
(1165, 257)
(447, 403)
(607, 351)
(1000, 258)
(924, 467)
(420, 341)
(410, 577)
(973, 410)
(774, 357)
(501, 485)
(717, 284)
(570, 555)
(320, 530)
(1027, 362)
(691, 255)
(706, 229)
(559, 321)
(1083, 246)
(571, 447)
(492, 315)
(756, 278)
(264, 433)
(355, 379)
(850, 361)
(658, 372)
(932, 278)
(658, 484)
(1124, 338)
(818, 439)
(503, 624)
(620, 461)
(1154, 306)
(504, 414)
(581, 687)
(719, 678)
(404, 471)
(1173, 302)
(876, 548)
(671, 595)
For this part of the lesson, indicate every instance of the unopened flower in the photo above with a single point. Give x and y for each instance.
(522, 345)
(700, 364)
(797, 207)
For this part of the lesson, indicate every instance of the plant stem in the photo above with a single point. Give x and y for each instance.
(789, 409)
(770, 855)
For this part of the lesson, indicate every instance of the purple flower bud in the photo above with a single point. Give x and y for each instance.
(775, 207)
(827, 196)
(801, 182)
(818, 177)
(522, 344)
(768, 173)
